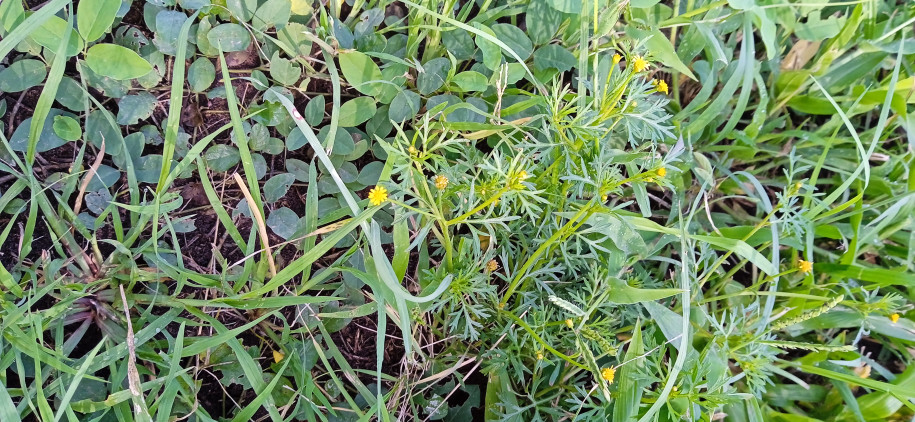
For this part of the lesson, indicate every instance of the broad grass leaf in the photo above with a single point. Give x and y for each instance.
(116, 62)
(629, 391)
(624, 294)
(670, 322)
(742, 249)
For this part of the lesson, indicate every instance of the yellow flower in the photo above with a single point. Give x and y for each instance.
(805, 266)
(492, 265)
(522, 175)
(863, 371)
(570, 323)
(377, 195)
(441, 182)
(662, 172)
(617, 58)
(662, 87)
(413, 151)
(639, 63)
(539, 355)
(894, 318)
(607, 374)
(278, 356)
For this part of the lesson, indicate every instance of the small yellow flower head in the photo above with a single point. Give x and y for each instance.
(278, 356)
(662, 87)
(662, 172)
(377, 195)
(501, 306)
(570, 323)
(617, 58)
(805, 266)
(413, 151)
(604, 198)
(441, 182)
(522, 175)
(607, 374)
(539, 355)
(492, 266)
(863, 371)
(894, 318)
(639, 63)
(798, 186)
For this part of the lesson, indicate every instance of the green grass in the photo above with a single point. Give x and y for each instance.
(487, 210)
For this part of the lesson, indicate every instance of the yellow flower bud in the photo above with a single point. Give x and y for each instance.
(441, 182)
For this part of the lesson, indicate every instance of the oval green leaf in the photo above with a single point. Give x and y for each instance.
(116, 62)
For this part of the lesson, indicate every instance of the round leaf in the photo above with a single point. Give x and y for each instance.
(22, 75)
(404, 106)
(433, 75)
(67, 128)
(229, 37)
(515, 39)
(356, 111)
(370, 173)
(554, 56)
(133, 108)
(470, 81)
(283, 222)
(221, 157)
(314, 111)
(201, 74)
(359, 70)
(277, 186)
